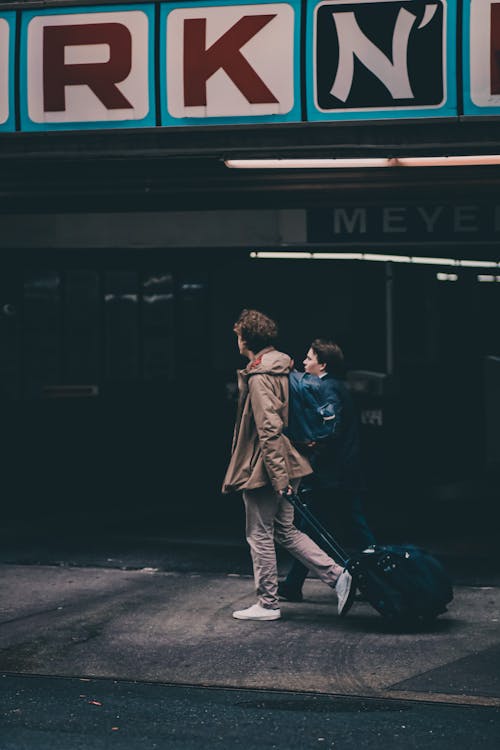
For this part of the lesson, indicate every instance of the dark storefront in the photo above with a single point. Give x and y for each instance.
(126, 255)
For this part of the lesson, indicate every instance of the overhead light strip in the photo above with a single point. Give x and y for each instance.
(479, 263)
(372, 257)
(447, 277)
(361, 163)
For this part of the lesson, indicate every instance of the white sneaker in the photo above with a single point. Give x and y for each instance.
(257, 612)
(345, 592)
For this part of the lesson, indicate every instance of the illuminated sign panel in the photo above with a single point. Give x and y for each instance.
(226, 62)
(482, 58)
(7, 36)
(85, 68)
(230, 62)
(370, 60)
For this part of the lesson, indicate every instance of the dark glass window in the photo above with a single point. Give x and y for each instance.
(193, 324)
(81, 327)
(9, 337)
(158, 325)
(42, 331)
(121, 325)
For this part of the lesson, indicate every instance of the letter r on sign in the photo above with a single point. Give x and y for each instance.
(93, 66)
(100, 77)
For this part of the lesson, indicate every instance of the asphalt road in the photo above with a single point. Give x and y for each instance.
(49, 713)
(130, 644)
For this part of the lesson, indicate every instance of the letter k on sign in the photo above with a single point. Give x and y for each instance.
(201, 63)
(230, 61)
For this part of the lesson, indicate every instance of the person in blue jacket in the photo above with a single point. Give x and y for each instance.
(335, 491)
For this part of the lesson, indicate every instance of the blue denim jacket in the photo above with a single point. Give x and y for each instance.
(322, 411)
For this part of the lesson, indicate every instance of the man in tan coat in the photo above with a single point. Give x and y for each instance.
(266, 467)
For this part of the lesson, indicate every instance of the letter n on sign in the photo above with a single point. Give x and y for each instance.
(7, 37)
(374, 59)
(88, 67)
(229, 62)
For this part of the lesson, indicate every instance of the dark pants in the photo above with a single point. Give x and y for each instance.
(341, 512)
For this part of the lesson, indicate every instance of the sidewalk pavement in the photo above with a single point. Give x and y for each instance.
(173, 626)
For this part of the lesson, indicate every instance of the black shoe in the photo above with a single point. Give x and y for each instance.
(289, 594)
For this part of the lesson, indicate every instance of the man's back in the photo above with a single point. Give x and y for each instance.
(336, 461)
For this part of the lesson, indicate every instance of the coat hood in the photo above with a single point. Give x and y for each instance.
(269, 362)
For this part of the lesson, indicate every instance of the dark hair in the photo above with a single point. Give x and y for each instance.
(256, 329)
(331, 355)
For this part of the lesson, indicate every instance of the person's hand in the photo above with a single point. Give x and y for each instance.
(286, 492)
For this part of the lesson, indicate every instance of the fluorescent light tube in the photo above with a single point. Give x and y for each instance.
(387, 258)
(304, 163)
(362, 163)
(434, 261)
(270, 254)
(337, 256)
(447, 161)
(478, 263)
(413, 259)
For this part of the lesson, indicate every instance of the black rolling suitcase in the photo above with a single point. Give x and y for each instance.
(405, 584)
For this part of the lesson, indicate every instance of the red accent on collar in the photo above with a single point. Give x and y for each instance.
(255, 362)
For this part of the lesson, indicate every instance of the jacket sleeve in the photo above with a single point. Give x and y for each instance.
(331, 410)
(266, 408)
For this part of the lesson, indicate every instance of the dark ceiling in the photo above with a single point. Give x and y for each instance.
(183, 168)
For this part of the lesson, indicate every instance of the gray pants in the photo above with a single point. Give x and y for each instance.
(269, 518)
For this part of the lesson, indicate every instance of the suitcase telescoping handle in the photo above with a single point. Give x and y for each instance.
(339, 554)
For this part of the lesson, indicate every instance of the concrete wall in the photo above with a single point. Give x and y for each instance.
(169, 229)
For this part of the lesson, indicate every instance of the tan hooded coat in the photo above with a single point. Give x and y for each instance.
(261, 453)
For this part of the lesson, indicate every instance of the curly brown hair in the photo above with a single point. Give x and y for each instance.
(256, 329)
